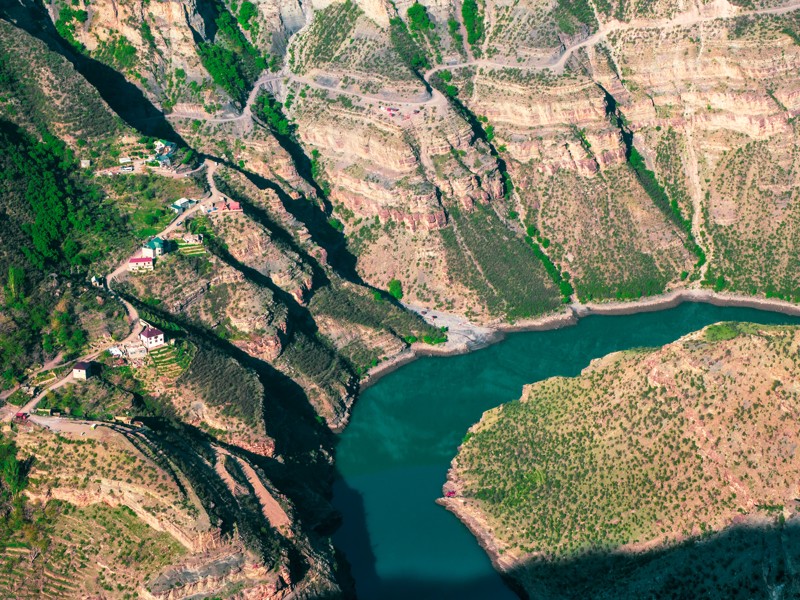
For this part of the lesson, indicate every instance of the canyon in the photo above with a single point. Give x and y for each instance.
(490, 164)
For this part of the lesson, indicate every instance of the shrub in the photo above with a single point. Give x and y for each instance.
(396, 289)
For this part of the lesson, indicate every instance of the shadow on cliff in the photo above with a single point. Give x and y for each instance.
(289, 416)
(302, 163)
(124, 98)
(744, 562)
(315, 220)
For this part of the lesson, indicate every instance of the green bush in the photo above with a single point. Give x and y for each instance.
(396, 289)
(418, 17)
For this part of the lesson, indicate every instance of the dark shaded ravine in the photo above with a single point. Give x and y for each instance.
(404, 431)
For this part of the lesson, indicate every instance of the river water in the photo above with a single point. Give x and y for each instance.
(404, 431)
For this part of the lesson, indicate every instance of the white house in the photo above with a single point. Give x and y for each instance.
(140, 264)
(183, 204)
(154, 248)
(152, 337)
(82, 370)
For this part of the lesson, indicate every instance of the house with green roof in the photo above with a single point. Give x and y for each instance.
(154, 248)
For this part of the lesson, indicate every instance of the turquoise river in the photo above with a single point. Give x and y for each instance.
(404, 431)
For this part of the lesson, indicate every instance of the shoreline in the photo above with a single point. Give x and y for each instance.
(468, 336)
(485, 540)
(470, 517)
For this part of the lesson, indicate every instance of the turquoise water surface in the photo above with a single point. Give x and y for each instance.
(404, 431)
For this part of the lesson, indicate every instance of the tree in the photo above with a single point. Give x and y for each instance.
(16, 282)
(11, 474)
(396, 289)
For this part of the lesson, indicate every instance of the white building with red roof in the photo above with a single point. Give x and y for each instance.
(152, 337)
(144, 263)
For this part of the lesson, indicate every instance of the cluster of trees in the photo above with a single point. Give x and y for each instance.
(267, 108)
(473, 21)
(223, 382)
(668, 206)
(68, 226)
(521, 292)
(348, 304)
(118, 52)
(232, 61)
(442, 81)
(396, 289)
(54, 222)
(407, 48)
(571, 12)
(418, 17)
(454, 28)
(247, 11)
(604, 459)
(560, 279)
(65, 24)
(19, 521)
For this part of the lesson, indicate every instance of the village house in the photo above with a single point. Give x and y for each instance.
(228, 206)
(82, 370)
(152, 337)
(154, 248)
(144, 263)
(179, 206)
(164, 152)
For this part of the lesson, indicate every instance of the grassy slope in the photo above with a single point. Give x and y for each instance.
(645, 446)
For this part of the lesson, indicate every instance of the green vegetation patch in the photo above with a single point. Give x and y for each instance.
(411, 53)
(613, 457)
(118, 52)
(327, 36)
(669, 206)
(224, 383)
(231, 60)
(473, 21)
(722, 331)
(418, 19)
(572, 14)
(503, 270)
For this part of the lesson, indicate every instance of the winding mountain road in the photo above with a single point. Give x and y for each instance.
(718, 9)
(8, 411)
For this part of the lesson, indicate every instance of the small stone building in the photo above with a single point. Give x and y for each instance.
(82, 370)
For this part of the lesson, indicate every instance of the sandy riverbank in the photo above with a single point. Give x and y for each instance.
(674, 298)
(464, 336)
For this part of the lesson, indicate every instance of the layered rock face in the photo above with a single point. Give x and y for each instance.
(536, 119)
(497, 159)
